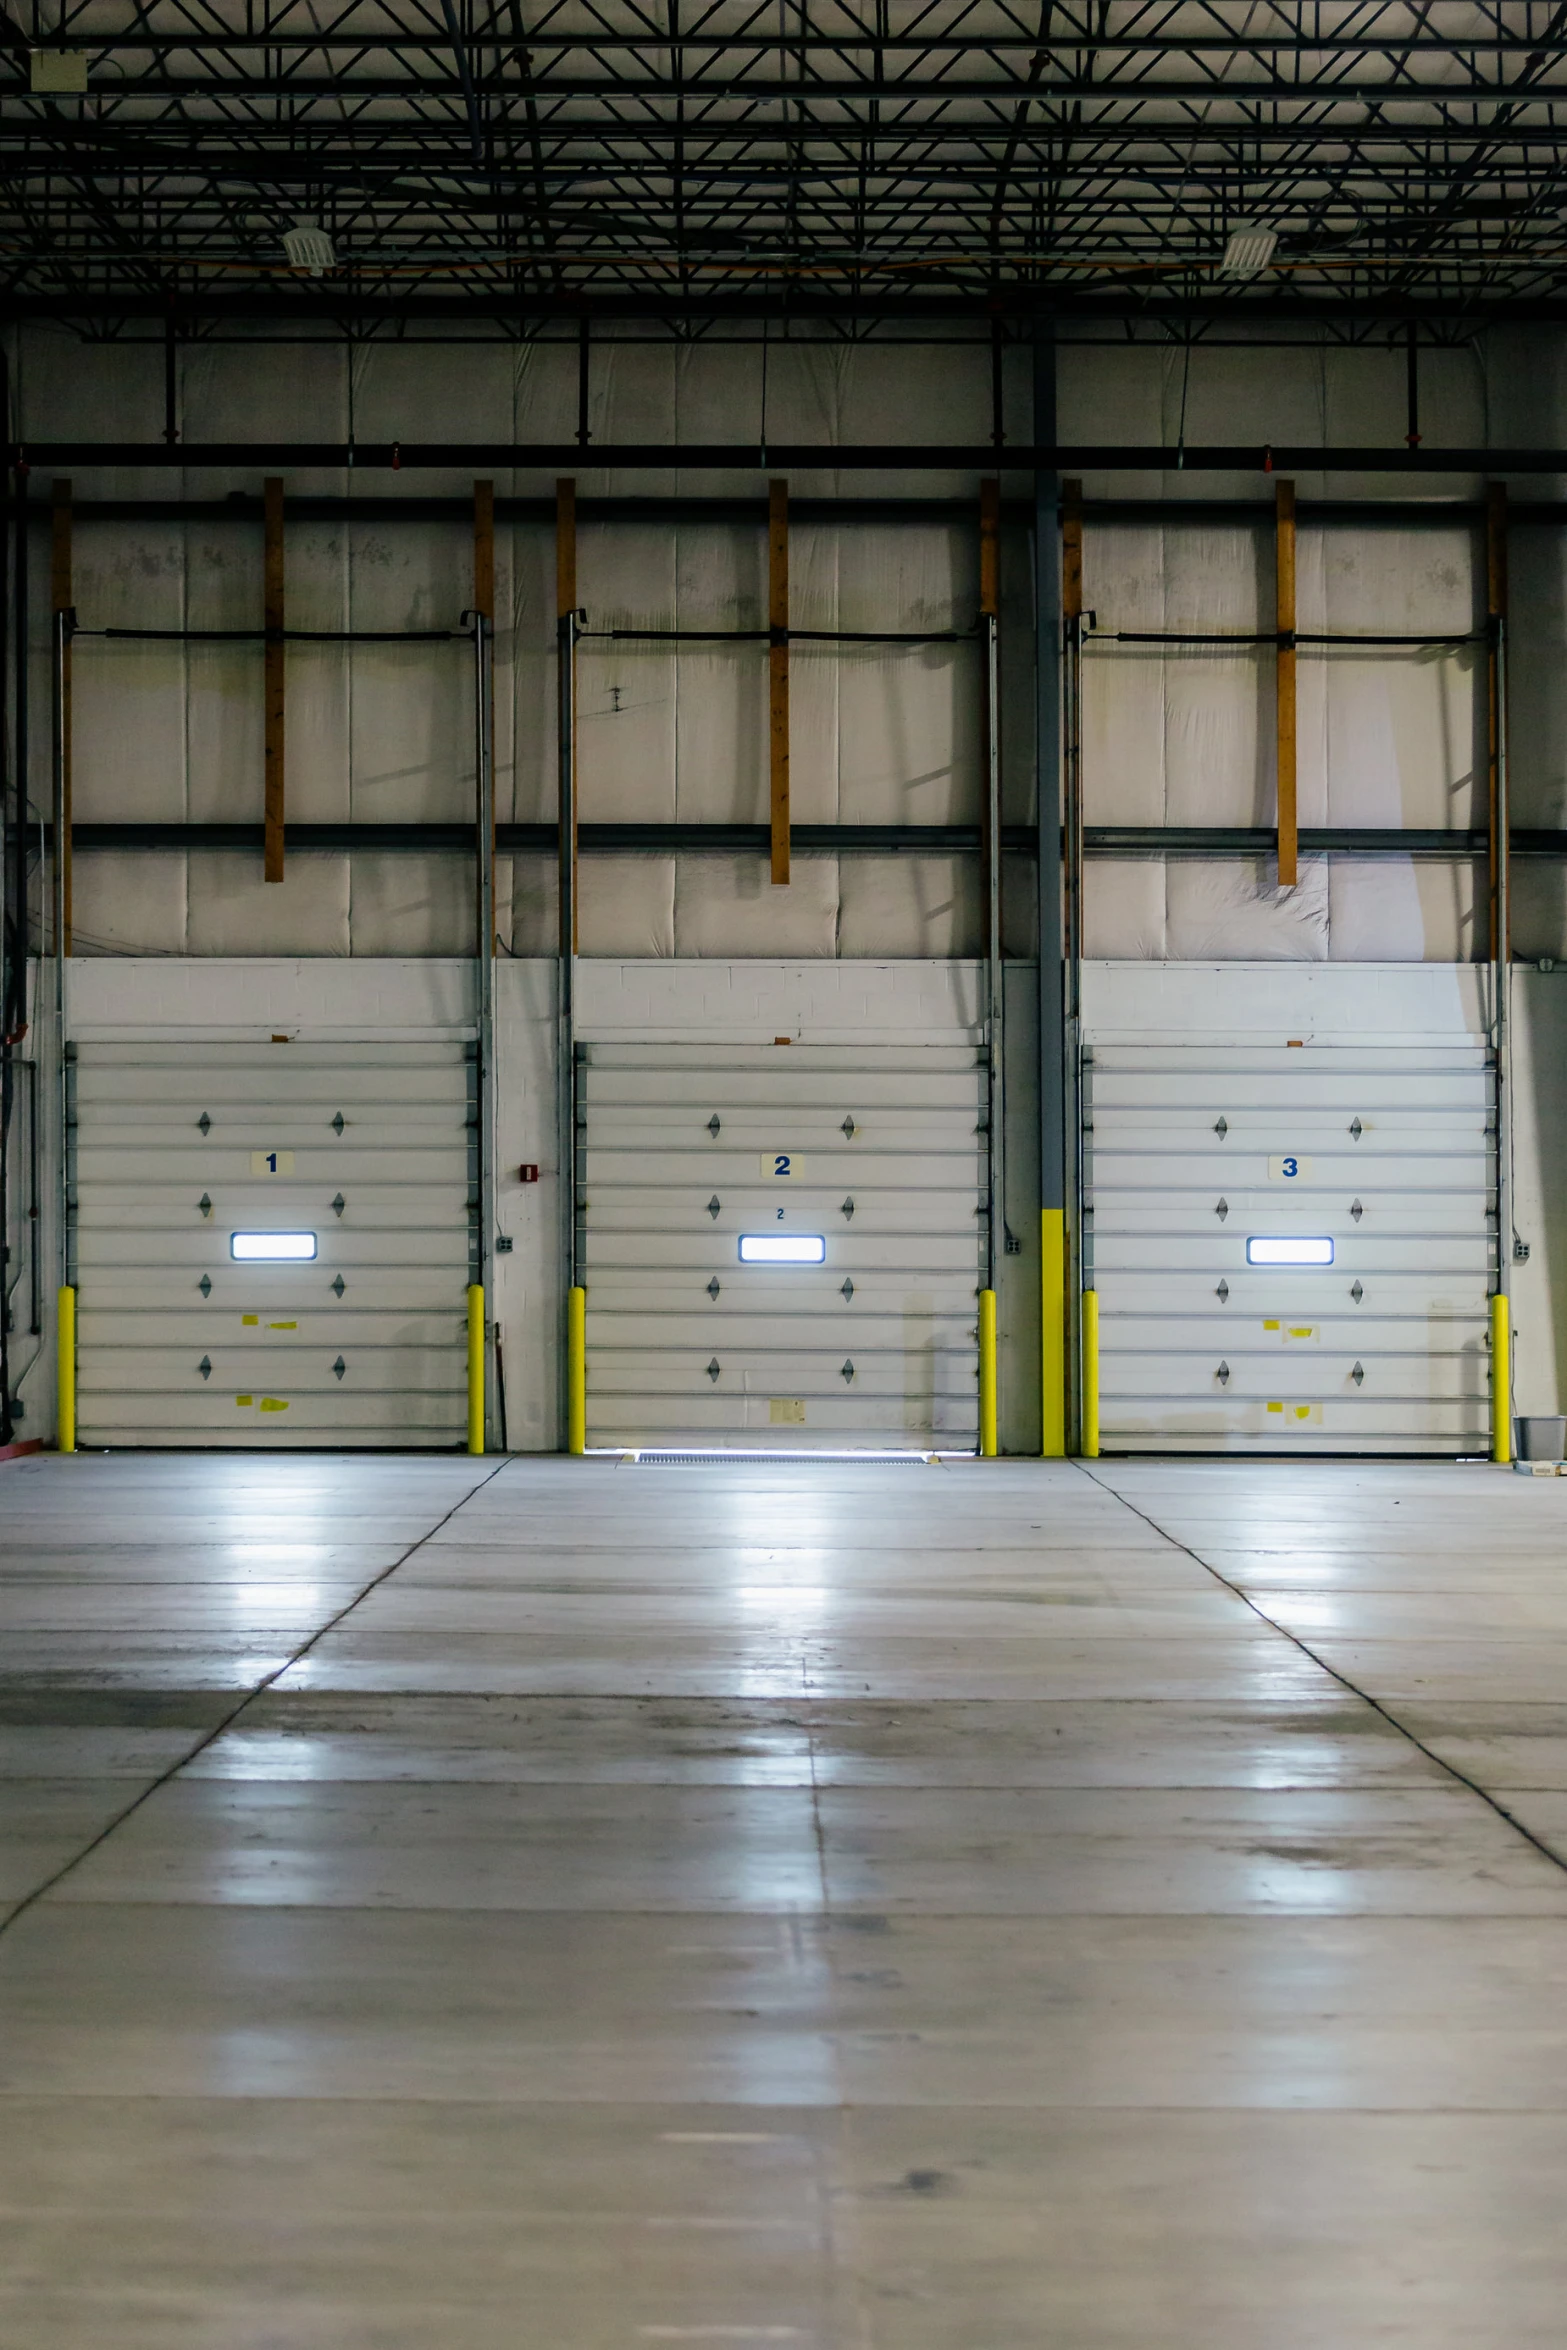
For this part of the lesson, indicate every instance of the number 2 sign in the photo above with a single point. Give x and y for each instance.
(782, 1166)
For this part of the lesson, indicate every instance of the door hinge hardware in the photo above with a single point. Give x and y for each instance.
(1356, 1210)
(337, 1123)
(1222, 1293)
(1358, 1373)
(205, 1366)
(712, 1287)
(848, 1207)
(204, 1124)
(205, 1285)
(1357, 1293)
(1356, 1129)
(714, 1367)
(338, 1368)
(714, 1204)
(847, 1373)
(1222, 1374)
(849, 1128)
(1221, 1127)
(205, 1205)
(338, 1205)
(714, 1125)
(1222, 1210)
(847, 1290)
(338, 1286)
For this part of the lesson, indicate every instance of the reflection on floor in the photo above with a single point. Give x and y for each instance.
(982, 1907)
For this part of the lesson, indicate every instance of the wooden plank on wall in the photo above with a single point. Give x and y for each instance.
(484, 605)
(565, 606)
(274, 622)
(62, 598)
(1496, 620)
(1284, 579)
(778, 674)
(989, 612)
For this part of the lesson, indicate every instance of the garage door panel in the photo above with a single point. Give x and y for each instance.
(1409, 1208)
(384, 1295)
(411, 1416)
(914, 1172)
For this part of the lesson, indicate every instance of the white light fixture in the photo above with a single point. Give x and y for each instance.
(1249, 250)
(272, 1248)
(309, 247)
(782, 1248)
(1275, 1249)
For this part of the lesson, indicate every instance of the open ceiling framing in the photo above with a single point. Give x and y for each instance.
(518, 163)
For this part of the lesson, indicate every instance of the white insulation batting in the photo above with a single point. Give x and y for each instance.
(167, 733)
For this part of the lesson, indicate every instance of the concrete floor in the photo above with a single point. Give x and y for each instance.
(567, 1906)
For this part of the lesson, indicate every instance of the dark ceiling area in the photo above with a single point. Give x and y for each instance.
(1168, 167)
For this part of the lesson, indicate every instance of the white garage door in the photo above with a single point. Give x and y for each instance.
(188, 1156)
(782, 1242)
(1217, 1174)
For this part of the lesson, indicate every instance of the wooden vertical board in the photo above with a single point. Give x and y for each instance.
(778, 674)
(62, 598)
(484, 605)
(273, 621)
(990, 550)
(1284, 598)
(1496, 614)
(565, 605)
(989, 609)
(1071, 550)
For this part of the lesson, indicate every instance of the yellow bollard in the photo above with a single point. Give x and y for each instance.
(576, 1370)
(1090, 1374)
(1501, 1380)
(1052, 1332)
(475, 1369)
(65, 1340)
(987, 1374)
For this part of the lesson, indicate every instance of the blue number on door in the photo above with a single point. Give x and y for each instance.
(272, 1162)
(1290, 1167)
(781, 1163)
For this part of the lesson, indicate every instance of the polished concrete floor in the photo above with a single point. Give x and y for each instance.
(574, 1905)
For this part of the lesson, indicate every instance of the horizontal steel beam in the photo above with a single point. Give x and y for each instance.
(819, 840)
(1055, 85)
(777, 457)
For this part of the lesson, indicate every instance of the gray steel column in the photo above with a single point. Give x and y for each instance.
(1052, 1009)
(484, 948)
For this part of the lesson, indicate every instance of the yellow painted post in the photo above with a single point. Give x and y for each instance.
(65, 1339)
(475, 1368)
(987, 1374)
(1501, 1380)
(577, 1369)
(1090, 1374)
(1052, 1333)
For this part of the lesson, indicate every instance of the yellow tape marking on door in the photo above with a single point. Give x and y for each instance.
(785, 1411)
(249, 1321)
(243, 1400)
(270, 1403)
(1297, 1414)
(282, 1325)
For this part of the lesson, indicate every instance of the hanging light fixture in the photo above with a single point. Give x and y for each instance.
(308, 246)
(1249, 250)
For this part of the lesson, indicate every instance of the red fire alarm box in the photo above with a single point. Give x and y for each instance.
(528, 1174)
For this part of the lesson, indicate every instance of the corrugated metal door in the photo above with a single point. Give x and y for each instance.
(367, 1147)
(877, 1153)
(1197, 1153)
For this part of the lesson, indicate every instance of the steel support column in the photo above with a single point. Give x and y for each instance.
(1052, 1030)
